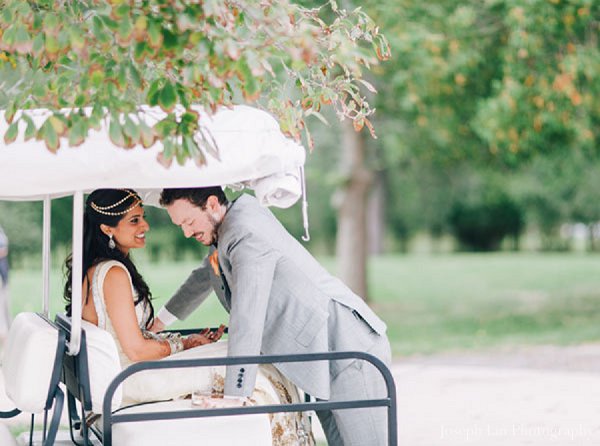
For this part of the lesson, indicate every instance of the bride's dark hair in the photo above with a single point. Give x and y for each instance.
(106, 206)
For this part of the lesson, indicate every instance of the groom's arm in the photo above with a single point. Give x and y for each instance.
(187, 298)
(253, 263)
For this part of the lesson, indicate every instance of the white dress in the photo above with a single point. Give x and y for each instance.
(157, 385)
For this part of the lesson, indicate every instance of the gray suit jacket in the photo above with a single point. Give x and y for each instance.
(279, 299)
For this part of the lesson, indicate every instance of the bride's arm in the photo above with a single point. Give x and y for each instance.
(121, 312)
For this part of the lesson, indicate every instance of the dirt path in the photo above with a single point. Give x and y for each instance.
(534, 396)
(579, 358)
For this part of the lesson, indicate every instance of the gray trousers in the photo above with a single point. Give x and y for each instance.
(360, 380)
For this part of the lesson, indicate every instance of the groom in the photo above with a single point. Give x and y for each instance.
(281, 301)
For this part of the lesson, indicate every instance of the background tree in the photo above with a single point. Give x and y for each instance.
(474, 83)
(546, 99)
(112, 56)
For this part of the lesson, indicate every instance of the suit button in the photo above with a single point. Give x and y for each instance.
(240, 380)
(222, 287)
(242, 370)
(239, 386)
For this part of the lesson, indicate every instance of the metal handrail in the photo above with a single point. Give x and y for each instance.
(108, 418)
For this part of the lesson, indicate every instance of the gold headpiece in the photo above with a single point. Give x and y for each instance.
(105, 209)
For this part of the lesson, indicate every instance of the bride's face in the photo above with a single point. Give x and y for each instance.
(194, 221)
(131, 230)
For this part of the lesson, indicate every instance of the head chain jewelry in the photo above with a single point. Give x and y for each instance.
(104, 209)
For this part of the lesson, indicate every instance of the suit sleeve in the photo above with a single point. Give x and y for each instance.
(253, 264)
(192, 292)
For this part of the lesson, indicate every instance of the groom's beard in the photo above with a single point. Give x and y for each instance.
(214, 232)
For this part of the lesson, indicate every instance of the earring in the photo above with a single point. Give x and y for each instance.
(111, 242)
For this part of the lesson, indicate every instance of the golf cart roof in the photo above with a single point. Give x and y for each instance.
(251, 151)
(249, 142)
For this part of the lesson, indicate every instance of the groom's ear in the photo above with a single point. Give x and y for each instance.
(212, 203)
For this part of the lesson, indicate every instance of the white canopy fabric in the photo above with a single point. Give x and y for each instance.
(252, 152)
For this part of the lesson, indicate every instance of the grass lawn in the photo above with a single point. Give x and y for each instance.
(430, 303)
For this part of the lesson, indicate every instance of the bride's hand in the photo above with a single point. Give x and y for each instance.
(194, 340)
(214, 336)
(204, 337)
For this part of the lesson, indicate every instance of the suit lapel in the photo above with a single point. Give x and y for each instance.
(220, 285)
(226, 289)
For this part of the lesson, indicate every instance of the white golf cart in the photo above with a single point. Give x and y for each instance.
(40, 354)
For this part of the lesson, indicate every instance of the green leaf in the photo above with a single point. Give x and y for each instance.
(52, 45)
(154, 35)
(9, 113)
(183, 97)
(154, 92)
(38, 43)
(80, 100)
(78, 132)
(97, 77)
(122, 77)
(50, 137)
(99, 30)
(180, 154)
(51, 21)
(317, 115)
(168, 97)
(22, 41)
(57, 124)
(169, 40)
(11, 133)
(30, 129)
(166, 127)
(250, 86)
(148, 137)
(122, 11)
(189, 149)
(168, 148)
(64, 41)
(368, 85)
(131, 129)
(76, 38)
(115, 132)
(125, 29)
(97, 111)
(111, 24)
(7, 15)
(8, 37)
(139, 52)
(136, 78)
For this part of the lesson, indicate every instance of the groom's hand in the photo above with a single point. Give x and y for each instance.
(157, 325)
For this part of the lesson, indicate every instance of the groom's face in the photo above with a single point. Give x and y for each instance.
(194, 221)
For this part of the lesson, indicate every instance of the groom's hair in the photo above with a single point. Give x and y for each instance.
(195, 195)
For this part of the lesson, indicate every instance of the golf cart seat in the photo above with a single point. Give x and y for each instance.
(31, 365)
(6, 438)
(88, 375)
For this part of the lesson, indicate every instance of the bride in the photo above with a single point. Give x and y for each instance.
(117, 299)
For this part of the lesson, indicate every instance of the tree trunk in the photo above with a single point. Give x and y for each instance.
(376, 217)
(352, 240)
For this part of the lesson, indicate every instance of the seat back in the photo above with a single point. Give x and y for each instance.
(88, 374)
(31, 362)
